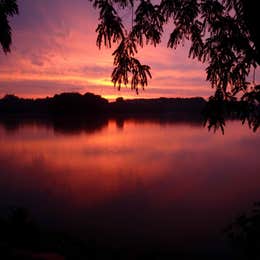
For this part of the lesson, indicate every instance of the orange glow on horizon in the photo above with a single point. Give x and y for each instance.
(65, 58)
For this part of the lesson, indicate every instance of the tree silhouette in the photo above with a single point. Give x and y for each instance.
(8, 8)
(223, 34)
(244, 233)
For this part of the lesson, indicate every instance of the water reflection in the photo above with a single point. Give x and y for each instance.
(140, 183)
(79, 124)
(70, 125)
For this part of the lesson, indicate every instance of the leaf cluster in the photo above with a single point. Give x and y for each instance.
(217, 29)
(244, 233)
(8, 8)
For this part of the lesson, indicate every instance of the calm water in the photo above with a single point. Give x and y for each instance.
(132, 183)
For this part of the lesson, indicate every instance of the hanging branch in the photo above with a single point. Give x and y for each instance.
(217, 29)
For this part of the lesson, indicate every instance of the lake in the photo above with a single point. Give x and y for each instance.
(137, 184)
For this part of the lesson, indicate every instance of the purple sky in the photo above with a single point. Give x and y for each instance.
(54, 50)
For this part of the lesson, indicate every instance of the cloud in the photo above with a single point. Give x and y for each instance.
(54, 49)
(171, 81)
(40, 88)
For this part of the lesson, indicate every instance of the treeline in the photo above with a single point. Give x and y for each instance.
(65, 103)
(91, 111)
(90, 104)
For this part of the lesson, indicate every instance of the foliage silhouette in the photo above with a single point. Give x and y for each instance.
(23, 238)
(244, 233)
(247, 110)
(73, 112)
(8, 8)
(75, 105)
(222, 33)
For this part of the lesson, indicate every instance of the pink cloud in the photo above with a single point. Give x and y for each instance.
(54, 42)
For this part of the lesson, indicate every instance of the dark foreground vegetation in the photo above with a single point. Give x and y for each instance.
(23, 238)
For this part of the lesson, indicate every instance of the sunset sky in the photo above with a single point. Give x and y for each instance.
(54, 50)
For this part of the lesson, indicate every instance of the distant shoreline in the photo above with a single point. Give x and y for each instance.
(95, 105)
